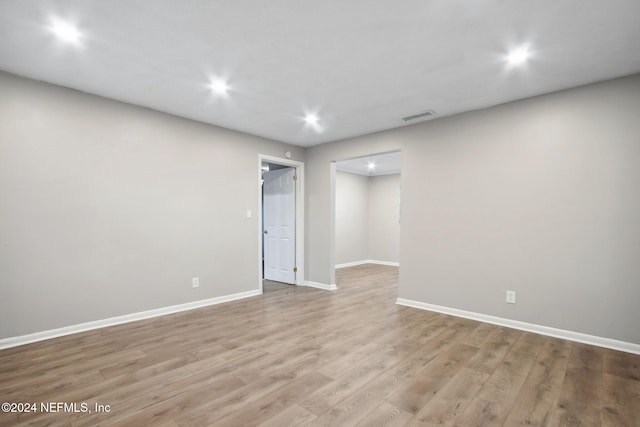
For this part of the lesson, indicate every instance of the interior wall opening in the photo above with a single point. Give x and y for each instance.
(367, 211)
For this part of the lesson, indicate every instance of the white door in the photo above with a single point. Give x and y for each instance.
(279, 216)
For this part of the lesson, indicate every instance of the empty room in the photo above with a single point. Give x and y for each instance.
(331, 213)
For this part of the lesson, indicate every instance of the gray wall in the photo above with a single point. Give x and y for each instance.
(108, 209)
(352, 215)
(384, 216)
(367, 215)
(539, 196)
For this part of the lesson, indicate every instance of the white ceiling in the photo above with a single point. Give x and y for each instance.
(383, 164)
(360, 65)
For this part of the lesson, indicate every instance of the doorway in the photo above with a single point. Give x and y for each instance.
(367, 209)
(281, 223)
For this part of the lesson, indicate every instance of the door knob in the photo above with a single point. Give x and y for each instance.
(265, 232)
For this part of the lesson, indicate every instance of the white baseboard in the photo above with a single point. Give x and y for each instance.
(320, 285)
(352, 264)
(97, 324)
(391, 263)
(529, 327)
(367, 261)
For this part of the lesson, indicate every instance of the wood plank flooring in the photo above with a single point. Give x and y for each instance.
(299, 356)
(269, 286)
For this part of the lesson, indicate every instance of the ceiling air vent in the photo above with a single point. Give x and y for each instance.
(426, 115)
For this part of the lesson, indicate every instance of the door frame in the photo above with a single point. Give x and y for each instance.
(299, 215)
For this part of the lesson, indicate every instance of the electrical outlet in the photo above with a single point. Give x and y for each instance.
(511, 297)
(195, 282)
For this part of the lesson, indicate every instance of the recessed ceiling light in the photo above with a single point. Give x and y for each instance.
(371, 166)
(311, 119)
(518, 56)
(66, 32)
(219, 87)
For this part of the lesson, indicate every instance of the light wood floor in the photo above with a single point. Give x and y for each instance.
(270, 285)
(302, 356)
